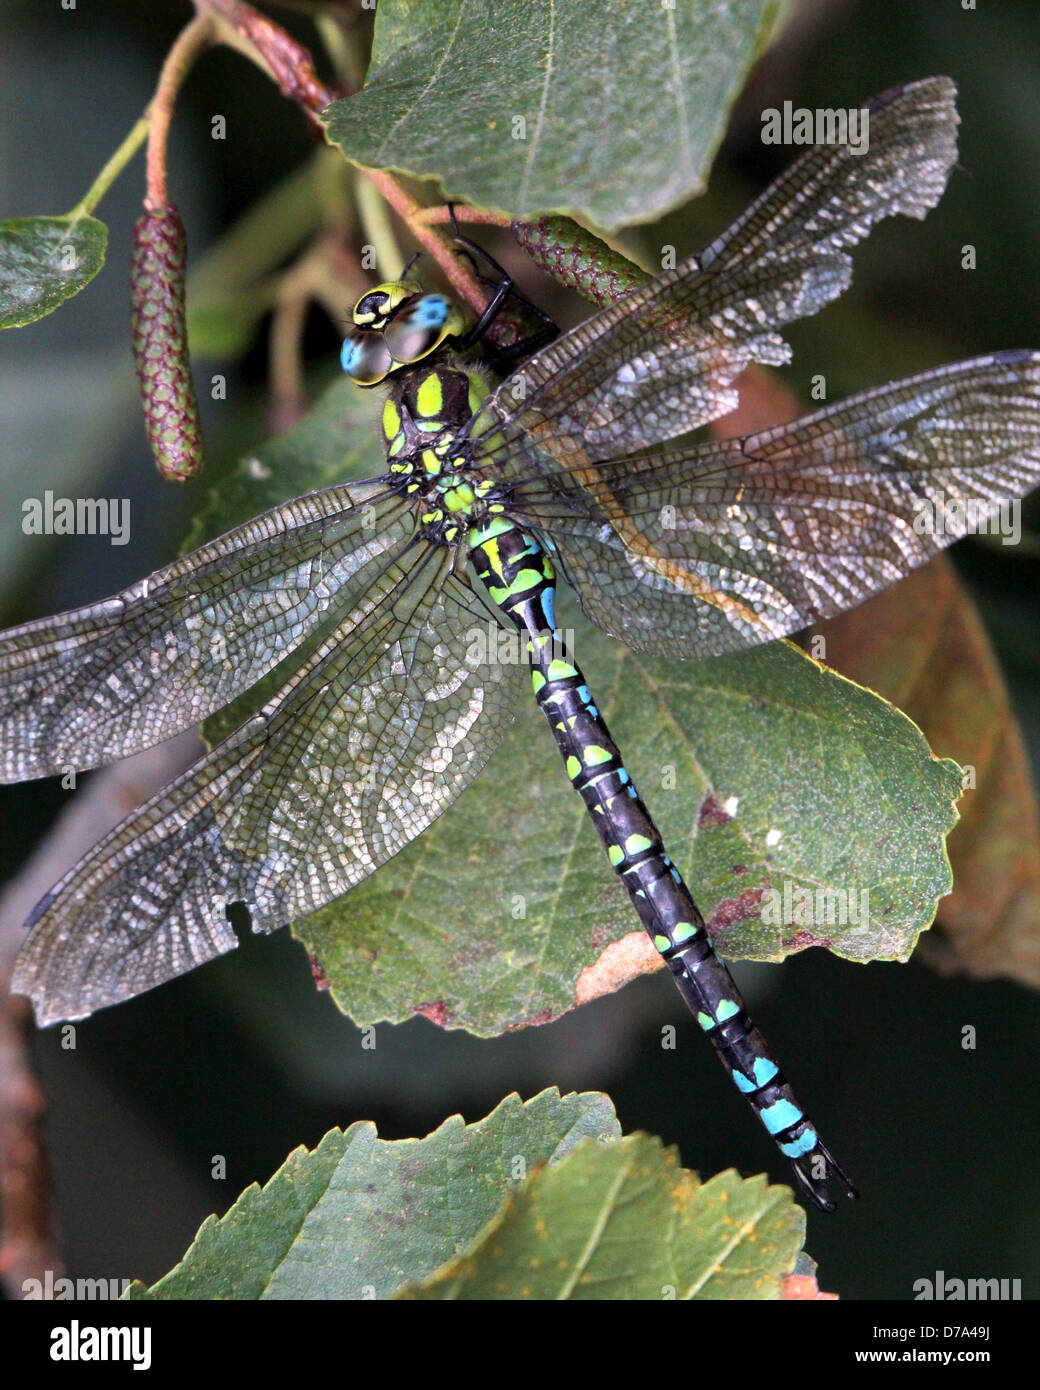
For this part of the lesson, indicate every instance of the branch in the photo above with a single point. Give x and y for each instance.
(271, 48)
(190, 42)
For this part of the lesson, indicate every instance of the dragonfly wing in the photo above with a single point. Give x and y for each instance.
(101, 682)
(390, 718)
(661, 361)
(715, 547)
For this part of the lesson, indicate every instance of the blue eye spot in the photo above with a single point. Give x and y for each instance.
(349, 355)
(431, 311)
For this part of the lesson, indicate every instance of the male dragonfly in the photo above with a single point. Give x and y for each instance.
(488, 494)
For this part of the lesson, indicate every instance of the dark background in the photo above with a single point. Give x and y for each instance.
(243, 1059)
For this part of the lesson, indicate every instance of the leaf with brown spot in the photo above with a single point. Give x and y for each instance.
(436, 1012)
(711, 813)
(625, 1221)
(744, 907)
(622, 961)
(834, 793)
(800, 1288)
(922, 645)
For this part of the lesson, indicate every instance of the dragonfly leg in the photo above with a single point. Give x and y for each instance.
(491, 312)
(503, 289)
(408, 265)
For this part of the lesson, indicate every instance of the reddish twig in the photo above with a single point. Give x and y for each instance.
(453, 267)
(191, 41)
(439, 214)
(286, 61)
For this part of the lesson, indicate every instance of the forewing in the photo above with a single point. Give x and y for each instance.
(378, 733)
(661, 361)
(107, 680)
(714, 547)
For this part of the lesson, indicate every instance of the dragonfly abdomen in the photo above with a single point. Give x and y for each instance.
(519, 576)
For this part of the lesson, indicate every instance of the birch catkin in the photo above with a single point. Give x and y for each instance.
(160, 343)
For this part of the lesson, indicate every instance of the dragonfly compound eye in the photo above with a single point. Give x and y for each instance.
(366, 358)
(420, 327)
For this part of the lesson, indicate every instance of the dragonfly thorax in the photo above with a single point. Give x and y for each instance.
(429, 450)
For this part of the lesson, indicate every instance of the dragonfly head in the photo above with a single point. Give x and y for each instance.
(396, 325)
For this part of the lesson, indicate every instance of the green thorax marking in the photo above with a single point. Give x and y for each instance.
(428, 457)
(426, 407)
(512, 564)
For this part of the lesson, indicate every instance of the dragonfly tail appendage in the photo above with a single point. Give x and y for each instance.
(712, 997)
(519, 577)
(817, 1188)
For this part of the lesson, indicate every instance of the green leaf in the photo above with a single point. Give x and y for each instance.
(505, 912)
(359, 1216)
(624, 1221)
(44, 261)
(771, 778)
(610, 111)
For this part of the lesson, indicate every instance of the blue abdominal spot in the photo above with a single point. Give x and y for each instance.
(549, 605)
(780, 1115)
(804, 1144)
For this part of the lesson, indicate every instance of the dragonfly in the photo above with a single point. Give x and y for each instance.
(491, 493)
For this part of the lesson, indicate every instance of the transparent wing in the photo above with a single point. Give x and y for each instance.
(391, 717)
(101, 682)
(661, 361)
(714, 547)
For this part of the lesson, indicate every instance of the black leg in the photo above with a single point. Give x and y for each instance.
(477, 249)
(504, 289)
(491, 312)
(409, 263)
